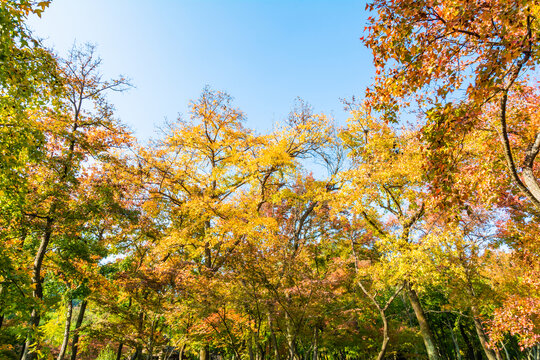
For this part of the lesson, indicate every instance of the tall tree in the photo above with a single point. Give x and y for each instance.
(386, 189)
(80, 134)
(27, 80)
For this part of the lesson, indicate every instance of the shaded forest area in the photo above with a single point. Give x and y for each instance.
(408, 240)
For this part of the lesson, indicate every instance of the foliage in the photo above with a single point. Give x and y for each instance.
(215, 240)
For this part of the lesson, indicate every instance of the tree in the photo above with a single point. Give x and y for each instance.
(470, 69)
(385, 188)
(28, 79)
(437, 51)
(80, 129)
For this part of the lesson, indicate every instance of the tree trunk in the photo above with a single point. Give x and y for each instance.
(505, 351)
(454, 340)
(2, 290)
(181, 352)
(315, 344)
(76, 334)
(411, 321)
(119, 351)
(261, 351)
(137, 354)
(273, 336)
(425, 329)
(471, 353)
(23, 350)
(384, 344)
(204, 353)
(64, 346)
(291, 338)
(382, 314)
(250, 346)
(150, 347)
(490, 354)
(37, 294)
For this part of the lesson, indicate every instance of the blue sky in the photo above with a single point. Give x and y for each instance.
(265, 53)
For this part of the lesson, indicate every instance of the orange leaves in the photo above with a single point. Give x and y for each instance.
(432, 50)
(519, 314)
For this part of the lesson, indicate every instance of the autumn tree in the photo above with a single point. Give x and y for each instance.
(27, 80)
(386, 199)
(470, 68)
(208, 179)
(475, 56)
(80, 132)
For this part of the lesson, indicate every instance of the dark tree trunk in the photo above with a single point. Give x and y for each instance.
(250, 348)
(273, 335)
(471, 354)
(119, 351)
(137, 353)
(2, 289)
(37, 294)
(315, 344)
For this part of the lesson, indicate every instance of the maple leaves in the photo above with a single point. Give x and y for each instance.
(436, 43)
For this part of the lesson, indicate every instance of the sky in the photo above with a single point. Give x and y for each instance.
(265, 53)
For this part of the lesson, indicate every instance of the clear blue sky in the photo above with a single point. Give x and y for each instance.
(265, 53)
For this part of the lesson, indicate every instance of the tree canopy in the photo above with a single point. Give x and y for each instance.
(411, 239)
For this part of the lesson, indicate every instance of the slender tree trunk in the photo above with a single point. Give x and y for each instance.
(456, 344)
(382, 313)
(76, 334)
(69, 313)
(490, 354)
(37, 294)
(425, 329)
(2, 290)
(471, 353)
(150, 348)
(505, 351)
(315, 344)
(384, 344)
(261, 351)
(291, 338)
(181, 351)
(23, 350)
(119, 351)
(250, 346)
(137, 353)
(273, 336)
(204, 353)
